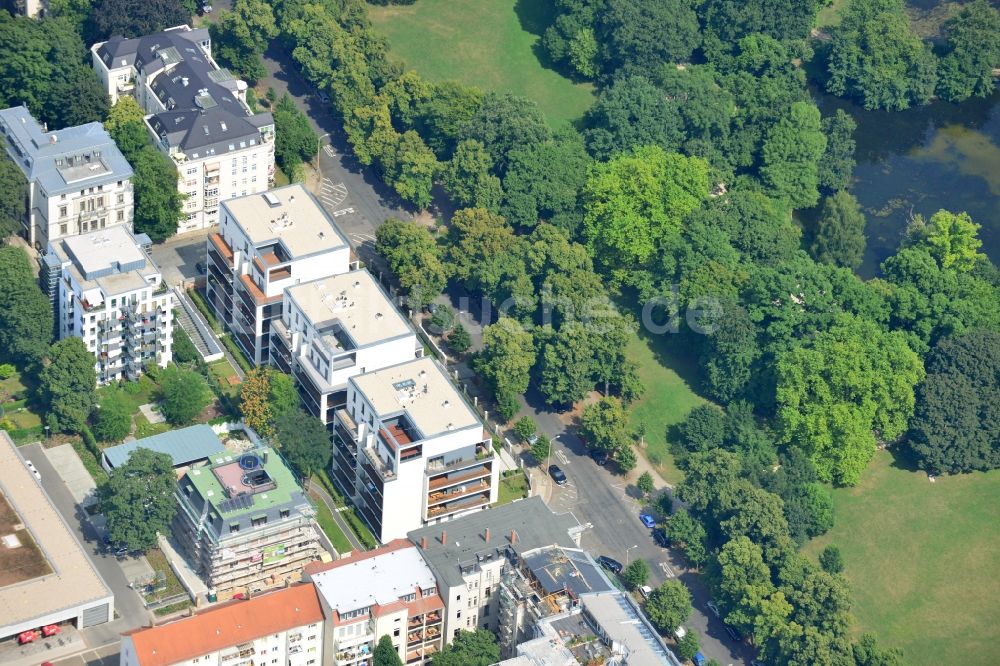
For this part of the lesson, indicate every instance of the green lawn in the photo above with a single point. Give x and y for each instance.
(223, 370)
(512, 487)
(667, 373)
(331, 529)
(923, 560)
(491, 44)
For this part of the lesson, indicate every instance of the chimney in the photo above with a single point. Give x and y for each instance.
(486, 537)
(513, 537)
(444, 538)
(423, 543)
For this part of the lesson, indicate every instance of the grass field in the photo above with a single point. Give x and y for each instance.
(512, 487)
(331, 529)
(923, 560)
(667, 374)
(491, 44)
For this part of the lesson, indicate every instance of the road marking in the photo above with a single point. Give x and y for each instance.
(329, 150)
(667, 571)
(562, 457)
(343, 211)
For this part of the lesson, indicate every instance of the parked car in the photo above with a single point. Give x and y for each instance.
(206, 9)
(31, 468)
(557, 475)
(699, 659)
(661, 538)
(712, 607)
(610, 564)
(201, 268)
(600, 456)
(533, 439)
(645, 591)
(648, 520)
(735, 635)
(323, 97)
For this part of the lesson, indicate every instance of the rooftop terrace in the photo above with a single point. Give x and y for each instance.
(251, 482)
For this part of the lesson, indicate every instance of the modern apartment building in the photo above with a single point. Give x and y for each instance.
(197, 113)
(333, 329)
(469, 556)
(245, 523)
(78, 180)
(266, 243)
(280, 628)
(107, 291)
(385, 592)
(410, 451)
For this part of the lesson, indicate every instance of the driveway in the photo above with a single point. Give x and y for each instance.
(178, 256)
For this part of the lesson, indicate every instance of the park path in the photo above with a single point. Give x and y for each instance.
(316, 491)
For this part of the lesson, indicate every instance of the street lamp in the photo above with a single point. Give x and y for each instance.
(626, 552)
(46, 432)
(548, 454)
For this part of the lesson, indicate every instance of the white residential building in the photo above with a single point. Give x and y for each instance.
(389, 591)
(198, 116)
(280, 628)
(78, 180)
(410, 451)
(335, 328)
(108, 291)
(266, 243)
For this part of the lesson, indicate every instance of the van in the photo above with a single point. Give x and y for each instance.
(645, 591)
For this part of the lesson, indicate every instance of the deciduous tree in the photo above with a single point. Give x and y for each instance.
(26, 320)
(183, 394)
(135, 18)
(604, 424)
(158, 204)
(507, 357)
(791, 154)
(13, 195)
(636, 574)
(138, 499)
(113, 418)
(972, 51)
(839, 235)
(66, 385)
(468, 179)
(304, 441)
(669, 606)
(415, 258)
(470, 648)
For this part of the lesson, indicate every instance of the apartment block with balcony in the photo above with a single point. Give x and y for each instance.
(107, 291)
(410, 451)
(280, 628)
(197, 114)
(333, 329)
(266, 243)
(78, 180)
(245, 523)
(389, 591)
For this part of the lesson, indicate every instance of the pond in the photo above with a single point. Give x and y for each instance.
(922, 160)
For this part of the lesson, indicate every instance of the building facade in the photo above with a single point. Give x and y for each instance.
(280, 628)
(389, 591)
(410, 451)
(107, 291)
(266, 243)
(197, 113)
(245, 523)
(78, 180)
(333, 329)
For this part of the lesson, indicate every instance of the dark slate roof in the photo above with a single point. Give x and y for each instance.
(534, 522)
(184, 446)
(567, 570)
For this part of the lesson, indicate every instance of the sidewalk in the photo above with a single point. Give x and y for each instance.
(195, 587)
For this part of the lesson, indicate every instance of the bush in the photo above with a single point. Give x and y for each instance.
(202, 305)
(831, 560)
(184, 350)
(238, 354)
(443, 319)
(6, 370)
(645, 484)
(459, 340)
(113, 418)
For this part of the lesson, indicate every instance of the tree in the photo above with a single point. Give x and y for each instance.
(415, 258)
(413, 170)
(265, 395)
(728, 21)
(240, 37)
(26, 320)
(688, 645)
(443, 318)
(703, 429)
(541, 449)
(839, 235)
(468, 179)
(507, 357)
(831, 560)
(183, 350)
(304, 441)
(709, 478)
(525, 427)
(836, 168)
(604, 425)
(840, 391)
(66, 385)
(867, 652)
(158, 204)
(13, 195)
(632, 112)
(385, 653)
(690, 535)
(504, 123)
(746, 510)
(138, 499)
(470, 648)
(113, 420)
(634, 202)
(295, 141)
(952, 239)
(669, 606)
(645, 484)
(646, 34)
(543, 183)
(486, 255)
(183, 394)
(742, 581)
(876, 58)
(956, 422)
(135, 18)
(459, 339)
(973, 50)
(282, 394)
(791, 154)
(636, 574)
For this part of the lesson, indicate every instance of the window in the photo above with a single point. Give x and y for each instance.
(121, 198)
(234, 528)
(63, 211)
(284, 513)
(121, 216)
(62, 229)
(459, 615)
(395, 633)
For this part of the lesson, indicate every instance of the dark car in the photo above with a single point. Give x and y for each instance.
(600, 456)
(557, 475)
(735, 635)
(611, 565)
(201, 268)
(661, 538)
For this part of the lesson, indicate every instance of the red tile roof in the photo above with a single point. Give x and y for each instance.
(227, 625)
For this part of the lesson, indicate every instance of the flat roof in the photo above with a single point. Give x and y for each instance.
(208, 481)
(569, 570)
(535, 524)
(184, 446)
(108, 248)
(625, 624)
(289, 214)
(420, 389)
(73, 582)
(378, 577)
(227, 625)
(356, 302)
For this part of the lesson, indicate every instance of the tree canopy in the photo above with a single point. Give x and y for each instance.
(972, 51)
(183, 394)
(303, 440)
(470, 648)
(415, 258)
(26, 319)
(669, 606)
(138, 499)
(66, 385)
(839, 235)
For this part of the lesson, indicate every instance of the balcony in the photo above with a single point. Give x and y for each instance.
(484, 453)
(463, 504)
(222, 248)
(259, 297)
(444, 496)
(385, 474)
(463, 476)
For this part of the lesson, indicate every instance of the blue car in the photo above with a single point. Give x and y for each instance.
(699, 659)
(647, 520)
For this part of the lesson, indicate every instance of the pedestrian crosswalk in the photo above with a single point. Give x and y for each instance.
(332, 194)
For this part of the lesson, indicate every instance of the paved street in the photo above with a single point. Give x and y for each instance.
(129, 610)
